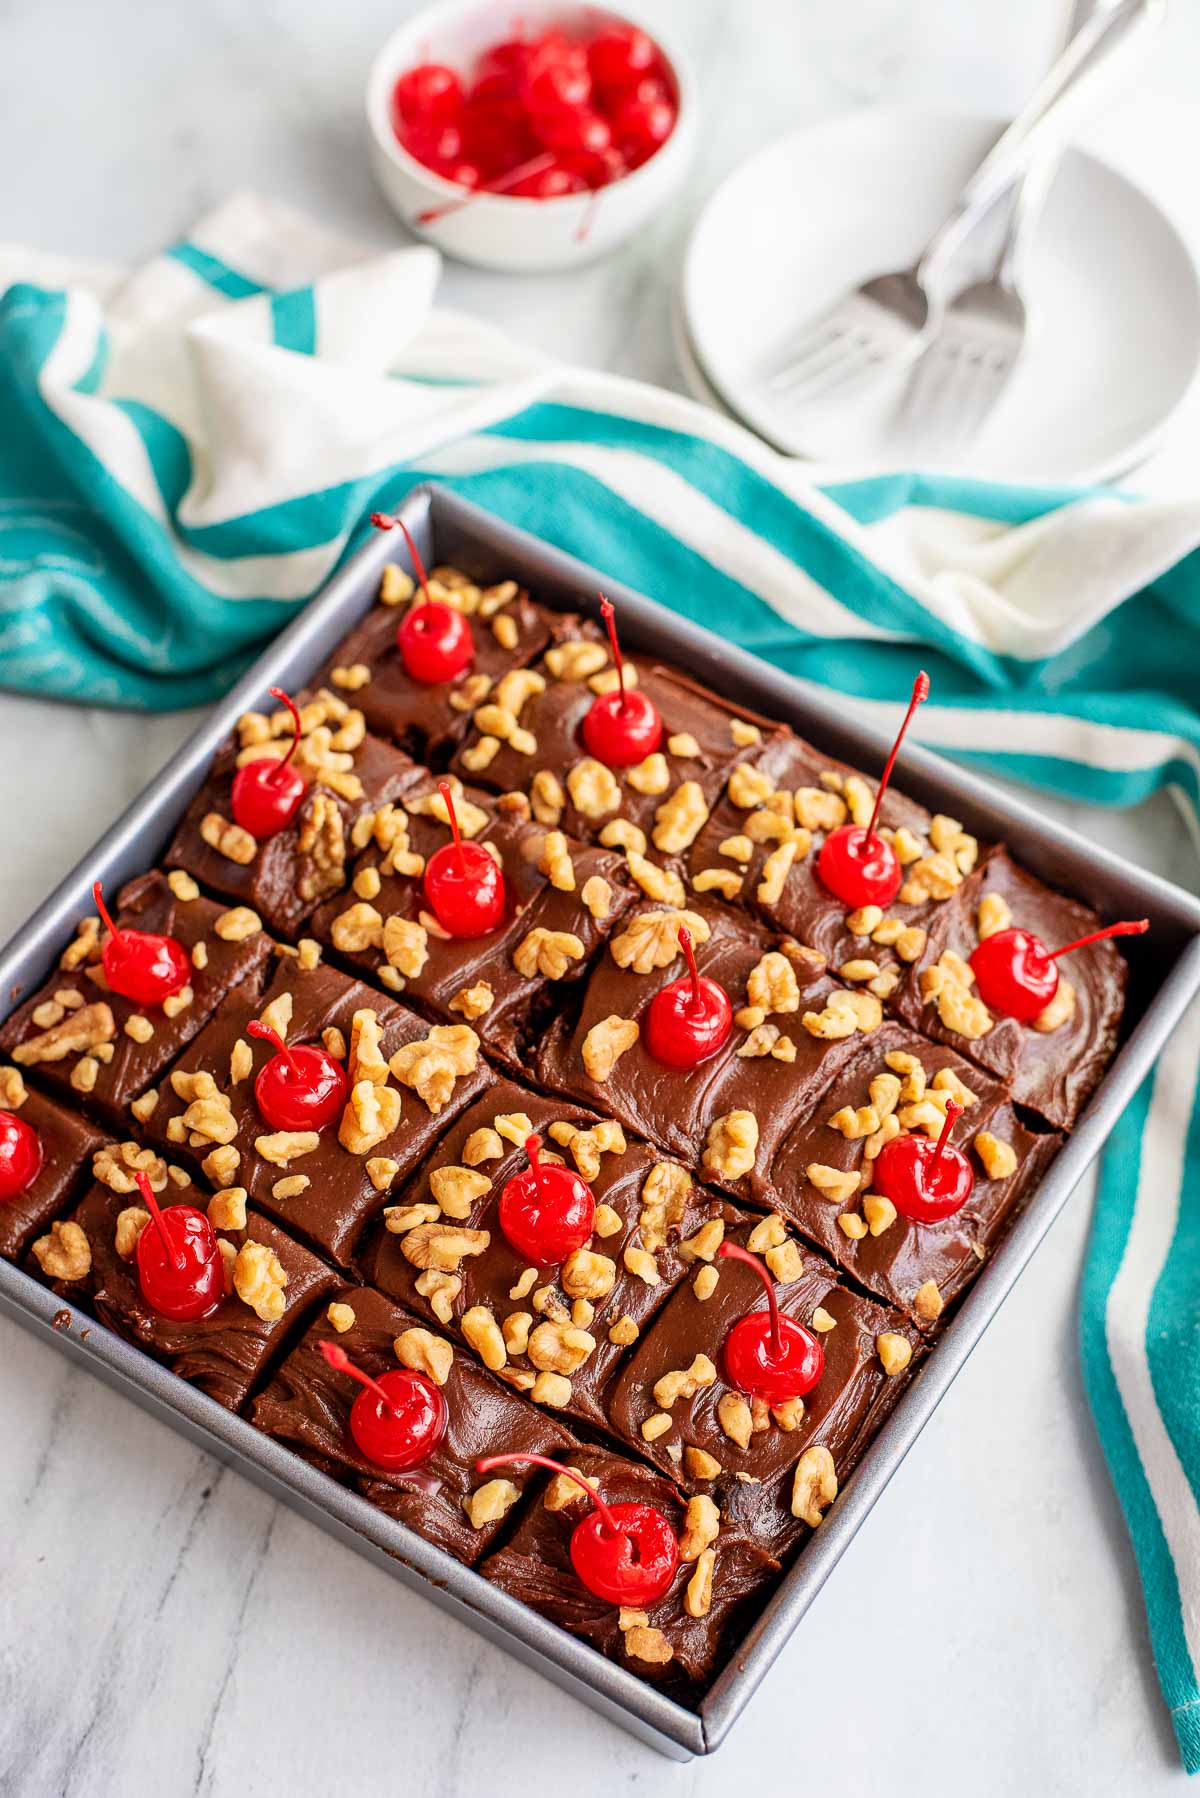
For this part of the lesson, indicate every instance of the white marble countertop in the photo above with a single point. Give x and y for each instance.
(166, 1626)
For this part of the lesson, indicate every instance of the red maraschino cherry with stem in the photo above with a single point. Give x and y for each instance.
(623, 727)
(857, 865)
(267, 792)
(770, 1356)
(434, 640)
(690, 1019)
(1017, 975)
(925, 1180)
(547, 1211)
(303, 1088)
(463, 882)
(180, 1270)
(626, 1554)
(140, 964)
(398, 1420)
(20, 1155)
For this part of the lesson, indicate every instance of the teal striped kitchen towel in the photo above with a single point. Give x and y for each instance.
(188, 452)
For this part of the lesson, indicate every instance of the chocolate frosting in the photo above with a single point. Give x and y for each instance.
(535, 1566)
(68, 1144)
(555, 718)
(283, 883)
(1053, 1072)
(805, 908)
(224, 1353)
(677, 1108)
(340, 1197)
(841, 1413)
(895, 1264)
(454, 965)
(308, 1405)
(491, 1278)
(429, 720)
(147, 903)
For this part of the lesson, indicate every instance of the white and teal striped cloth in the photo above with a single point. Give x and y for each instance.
(187, 452)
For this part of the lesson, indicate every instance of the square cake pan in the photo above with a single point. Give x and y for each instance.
(1165, 977)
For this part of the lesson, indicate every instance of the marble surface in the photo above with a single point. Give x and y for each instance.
(164, 1624)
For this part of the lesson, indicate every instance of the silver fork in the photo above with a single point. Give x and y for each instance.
(959, 377)
(891, 318)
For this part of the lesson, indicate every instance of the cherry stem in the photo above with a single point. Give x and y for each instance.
(728, 1249)
(608, 613)
(499, 185)
(285, 699)
(340, 1362)
(920, 694)
(489, 1461)
(447, 793)
(174, 1256)
(383, 521)
(953, 1112)
(1138, 927)
(105, 918)
(685, 943)
(254, 1028)
(533, 1148)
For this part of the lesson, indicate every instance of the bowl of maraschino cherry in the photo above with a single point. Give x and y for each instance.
(532, 140)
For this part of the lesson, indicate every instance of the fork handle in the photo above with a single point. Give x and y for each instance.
(1059, 98)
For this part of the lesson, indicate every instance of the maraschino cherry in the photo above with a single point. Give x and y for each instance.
(770, 1356)
(1017, 975)
(397, 1420)
(925, 1180)
(690, 1019)
(621, 728)
(463, 882)
(179, 1265)
(20, 1155)
(434, 640)
(140, 964)
(626, 1554)
(858, 866)
(547, 1211)
(303, 1088)
(267, 792)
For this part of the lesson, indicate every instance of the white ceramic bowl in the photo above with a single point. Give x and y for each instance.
(497, 230)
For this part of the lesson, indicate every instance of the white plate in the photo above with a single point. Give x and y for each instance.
(1113, 294)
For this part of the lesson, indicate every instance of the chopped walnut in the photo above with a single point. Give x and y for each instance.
(664, 1196)
(655, 1426)
(406, 945)
(702, 1525)
(227, 1208)
(734, 1417)
(482, 1333)
(623, 1332)
(74, 1034)
(894, 1351)
(65, 1254)
(357, 929)
(998, 1157)
(229, 840)
(285, 1146)
(593, 788)
(322, 840)
(684, 1383)
(707, 1240)
(680, 819)
(928, 1301)
(553, 1389)
(785, 1262)
(259, 1280)
(844, 1012)
(557, 1347)
(814, 1485)
(490, 1502)
(605, 1043)
(130, 1224)
(662, 885)
(458, 1190)
(482, 1145)
(430, 1067)
(651, 939)
(993, 915)
(116, 1166)
(238, 924)
(575, 659)
(772, 984)
(934, 877)
(425, 1353)
(442, 1246)
(948, 984)
(641, 1264)
(643, 1643)
(620, 833)
(832, 1183)
(880, 1213)
(1060, 1009)
(731, 1145)
(547, 952)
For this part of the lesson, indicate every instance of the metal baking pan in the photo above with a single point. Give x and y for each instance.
(1165, 977)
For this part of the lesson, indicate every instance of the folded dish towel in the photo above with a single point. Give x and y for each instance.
(187, 452)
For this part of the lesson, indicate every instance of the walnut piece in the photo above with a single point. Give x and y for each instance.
(948, 983)
(130, 1224)
(1059, 1010)
(547, 952)
(593, 788)
(731, 1145)
(605, 1043)
(65, 1254)
(490, 1502)
(997, 1156)
(702, 1524)
(259, 1280)
(894, 1351)
(442, 1246)
(431, 1066)
(680, 819)
(814, 1485)
(74, 1034)
(229, 840)
(425, 1353)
